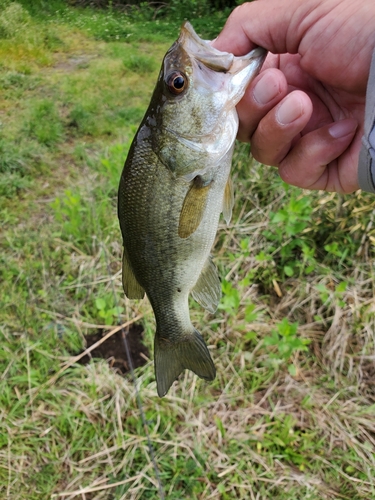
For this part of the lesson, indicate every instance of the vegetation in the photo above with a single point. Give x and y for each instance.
(291, 414)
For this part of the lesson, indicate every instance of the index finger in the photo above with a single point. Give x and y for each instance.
(264, 23)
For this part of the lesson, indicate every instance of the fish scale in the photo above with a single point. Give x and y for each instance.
(174, 185)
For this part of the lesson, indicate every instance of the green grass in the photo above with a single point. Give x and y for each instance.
(291, 413)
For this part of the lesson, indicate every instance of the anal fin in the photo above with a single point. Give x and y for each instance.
(132, 288)
(207, 290)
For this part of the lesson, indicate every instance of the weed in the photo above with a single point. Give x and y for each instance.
(17, 82)
(140, 63)
(336, 295)
(188, 9)
(44, 123)
(17, 162)
(289, 235)
(12, 183)
(13, 19)
(83, 118)
(284, 338)
(107, 311)
(231, 298)
(111, 166)
(77, 218)
(44, 9)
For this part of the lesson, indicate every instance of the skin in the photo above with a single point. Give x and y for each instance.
(304, 113)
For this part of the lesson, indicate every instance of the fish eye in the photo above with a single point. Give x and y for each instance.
(177, 82)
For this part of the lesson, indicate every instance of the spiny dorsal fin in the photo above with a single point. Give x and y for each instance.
(193, 207)
(207, 290)
(132, 288)
(228, 200)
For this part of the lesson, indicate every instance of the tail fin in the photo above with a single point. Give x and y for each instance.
(171, 358)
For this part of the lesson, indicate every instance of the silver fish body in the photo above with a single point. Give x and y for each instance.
(174, 185)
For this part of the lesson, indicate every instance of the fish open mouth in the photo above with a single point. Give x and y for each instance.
(216, 60)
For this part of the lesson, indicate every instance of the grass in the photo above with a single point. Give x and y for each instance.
(291, 413)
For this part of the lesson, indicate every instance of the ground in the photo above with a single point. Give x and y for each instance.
(291, 413)
(114, 349)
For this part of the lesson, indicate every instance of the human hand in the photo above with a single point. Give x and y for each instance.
(304, 113)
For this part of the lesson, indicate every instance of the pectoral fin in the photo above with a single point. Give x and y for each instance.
(193, 207)
(207, 290)
(132, 288)
(228, 200)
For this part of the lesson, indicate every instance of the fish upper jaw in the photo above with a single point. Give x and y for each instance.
(202, 50)
(239, 69)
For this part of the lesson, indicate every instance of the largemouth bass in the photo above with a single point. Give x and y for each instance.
(174, 185)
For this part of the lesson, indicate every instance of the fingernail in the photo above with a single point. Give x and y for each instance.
(266, 89)
(290, 110)
(342, 128)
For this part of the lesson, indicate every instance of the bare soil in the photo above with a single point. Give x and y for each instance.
(114, 351)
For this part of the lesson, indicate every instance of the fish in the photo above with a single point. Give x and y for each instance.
(173, 188)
